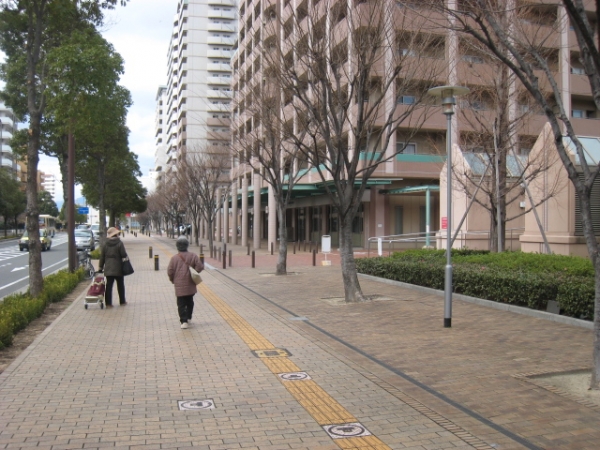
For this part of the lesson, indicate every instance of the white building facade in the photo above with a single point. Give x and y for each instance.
(7, 128)
(196, 101)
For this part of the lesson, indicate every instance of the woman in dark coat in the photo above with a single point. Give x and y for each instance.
(111, 262)
(179, 274)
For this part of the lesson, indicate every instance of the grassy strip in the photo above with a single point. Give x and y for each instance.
(524, 279)
(18, 310)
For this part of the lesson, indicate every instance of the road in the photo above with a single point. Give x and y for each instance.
(14, 264)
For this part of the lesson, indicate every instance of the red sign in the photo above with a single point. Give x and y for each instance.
(444, 223)
(127, 214)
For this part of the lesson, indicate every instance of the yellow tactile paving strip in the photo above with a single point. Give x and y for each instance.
(318, 403)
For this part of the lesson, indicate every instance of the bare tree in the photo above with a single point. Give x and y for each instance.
(524, 38)
(204, 185)
(355, 83)
(498, 118)
(267, 148)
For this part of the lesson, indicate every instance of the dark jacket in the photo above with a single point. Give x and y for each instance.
(179, 273)
(111, 257)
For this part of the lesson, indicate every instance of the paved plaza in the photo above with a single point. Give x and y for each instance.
(273, 362)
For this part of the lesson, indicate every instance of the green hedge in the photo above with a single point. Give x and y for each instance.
(18, 310)
(517, 278)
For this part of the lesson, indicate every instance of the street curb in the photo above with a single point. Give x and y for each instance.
(490, 304)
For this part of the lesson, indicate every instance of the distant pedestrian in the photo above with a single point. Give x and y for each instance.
(111, 262)
(179, 274)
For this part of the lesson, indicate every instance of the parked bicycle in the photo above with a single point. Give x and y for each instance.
(85, 261)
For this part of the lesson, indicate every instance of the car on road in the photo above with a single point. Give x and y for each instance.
(45, 239)
(84, 240)
(96, 230)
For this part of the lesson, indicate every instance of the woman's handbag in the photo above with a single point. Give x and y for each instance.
(126, 267)
(196, 278)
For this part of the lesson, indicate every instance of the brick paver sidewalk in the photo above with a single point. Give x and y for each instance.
(386, 369)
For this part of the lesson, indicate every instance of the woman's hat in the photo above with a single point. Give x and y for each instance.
(112, 232)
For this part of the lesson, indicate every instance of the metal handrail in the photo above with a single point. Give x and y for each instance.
(433, 236)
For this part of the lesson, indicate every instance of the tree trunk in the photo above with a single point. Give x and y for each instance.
(210, 233)
(352, 290)
(36, 280)
(281, 268)
(595, 381)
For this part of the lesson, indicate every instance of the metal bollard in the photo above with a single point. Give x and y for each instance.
(248, 254)
(294, 248)
(224, 260)
(150, 252)
(314, 257)
(271, 249)
(229, 258)
(304, 245)
(201, 248)
(253, 260)
(202, 258)
(155, 262)
(219, 254)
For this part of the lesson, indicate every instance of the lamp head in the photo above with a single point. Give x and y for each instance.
(447, 95)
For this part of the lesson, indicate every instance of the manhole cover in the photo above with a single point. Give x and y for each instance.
(294, 376)
(272, 353)
(346, 430)
(194, 405)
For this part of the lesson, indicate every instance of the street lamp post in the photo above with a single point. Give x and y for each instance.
(447, 95)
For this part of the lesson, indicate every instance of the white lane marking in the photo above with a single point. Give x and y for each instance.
(25, 278)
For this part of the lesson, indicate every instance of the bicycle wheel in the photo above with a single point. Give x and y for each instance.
(89, 271)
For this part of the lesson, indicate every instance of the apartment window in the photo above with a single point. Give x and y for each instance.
(578, 70)
(407, 100)
(579, 114)
(406, 149)
(477, 105)
(407, 52)
(473, 59)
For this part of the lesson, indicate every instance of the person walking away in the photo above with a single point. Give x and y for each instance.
(179, 274)
(111, 260)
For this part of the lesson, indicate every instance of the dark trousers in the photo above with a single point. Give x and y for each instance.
(120, 289)
(185, 306)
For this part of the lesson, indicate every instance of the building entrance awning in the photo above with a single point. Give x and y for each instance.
(411, 190)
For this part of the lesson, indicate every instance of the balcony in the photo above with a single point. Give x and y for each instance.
(222, 2)
(220, 40)
(218, 107)
(580, 85)
(216, 14)
(7, 162)
(213, 93)
(219, 54)
(219, 80)
(221, 27)
(218, 67)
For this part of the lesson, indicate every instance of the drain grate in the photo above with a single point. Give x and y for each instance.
(294, 376)
(195, 405)
(272, 353)
(346, 430)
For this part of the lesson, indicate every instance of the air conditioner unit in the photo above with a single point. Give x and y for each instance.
(522, 204)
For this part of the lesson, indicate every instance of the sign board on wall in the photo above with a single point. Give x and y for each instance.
(444, 223)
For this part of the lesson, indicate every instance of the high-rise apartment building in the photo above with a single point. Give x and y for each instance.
(407, 191)
(193, 110)
(160, 154)
(7, 127)
(48, 183)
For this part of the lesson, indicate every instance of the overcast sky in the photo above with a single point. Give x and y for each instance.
(140, 33)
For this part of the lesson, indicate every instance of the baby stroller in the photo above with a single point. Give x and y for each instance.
(95, 294)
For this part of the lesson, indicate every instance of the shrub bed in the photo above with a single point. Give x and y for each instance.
(18, 310)
(523, 279)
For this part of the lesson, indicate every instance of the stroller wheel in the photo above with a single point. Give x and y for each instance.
(85, 306)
